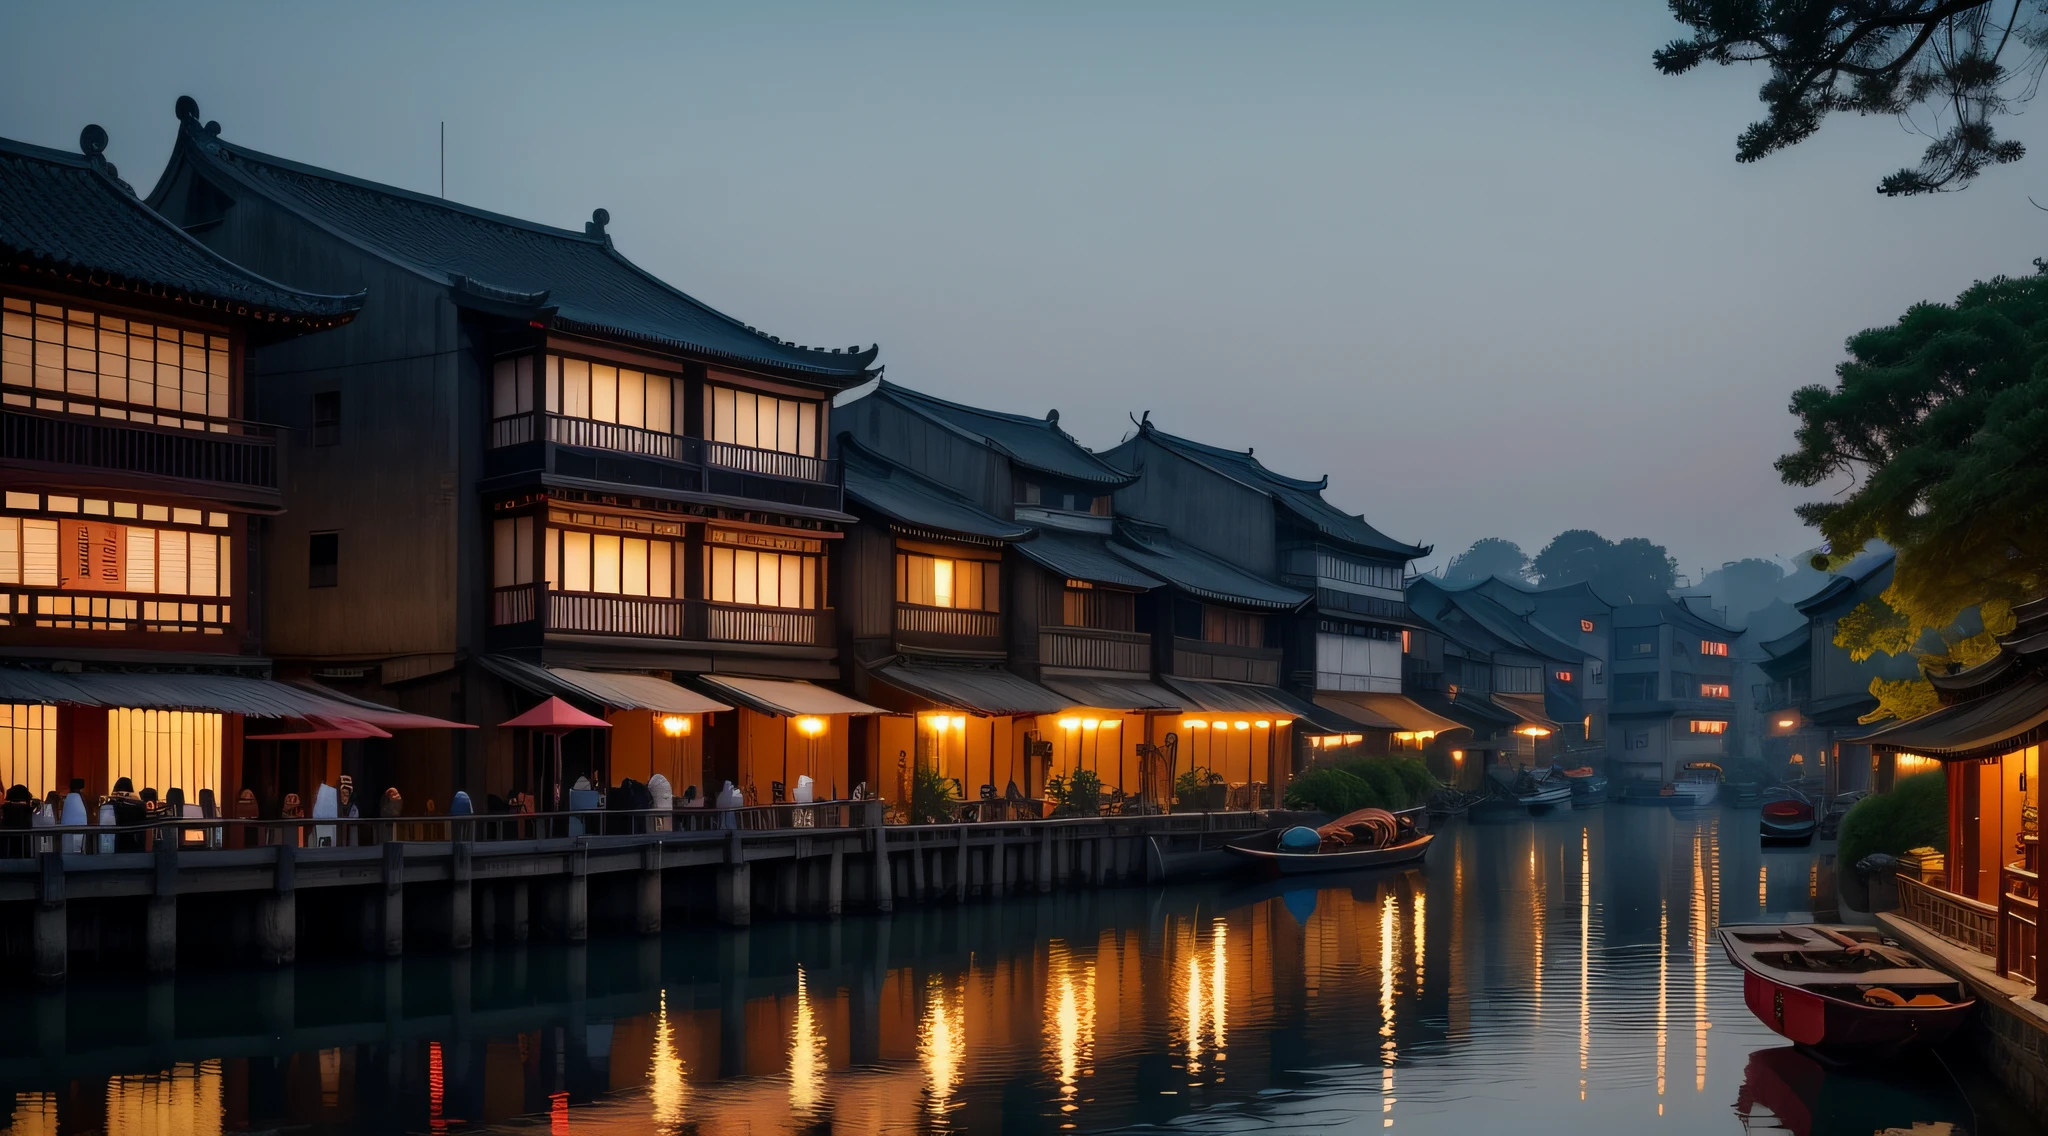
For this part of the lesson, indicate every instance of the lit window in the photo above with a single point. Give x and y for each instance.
(1711, 647)
(579, 388)
(1709, 726)
(1564, 676)
(746, 418)
(1714, 690)
(1585, 625)
(81, 362)
(938, 581)
(762, 569)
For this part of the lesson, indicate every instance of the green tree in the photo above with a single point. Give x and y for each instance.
(1939, 423)
(1744, 587)
(1632, 570)
(1488, 557)
(1947, 68)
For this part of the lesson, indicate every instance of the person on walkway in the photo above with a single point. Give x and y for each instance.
(130, 814)
(326, 804)
(345, 807)
(247, 809)
(46, 817)
(293, 810)
(74, 814)
(17, 815)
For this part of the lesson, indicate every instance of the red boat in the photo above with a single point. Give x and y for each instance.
(1847, 993)
(1788, 818)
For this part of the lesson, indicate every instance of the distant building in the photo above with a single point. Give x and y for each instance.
(1671, 691)
(1485, 665)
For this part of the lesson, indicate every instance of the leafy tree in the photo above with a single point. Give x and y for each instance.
(1633, 570)
(1488, 557)
(1941, 424)
(1940, 65)
(1743, 586)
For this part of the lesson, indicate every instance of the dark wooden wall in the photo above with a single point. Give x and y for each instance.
(1216, 514)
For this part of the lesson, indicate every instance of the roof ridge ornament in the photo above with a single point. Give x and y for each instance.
(92, 142)
(1053, 416)
(599, 218)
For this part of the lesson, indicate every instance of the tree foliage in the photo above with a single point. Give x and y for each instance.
(1948, 68)
(1631, 570)
(1940, 423)
(1743, 586)
(1913, 815)
(1488, 557)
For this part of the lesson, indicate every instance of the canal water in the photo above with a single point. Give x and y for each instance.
(1555, 974)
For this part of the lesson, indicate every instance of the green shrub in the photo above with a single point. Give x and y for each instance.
(1378, 772)
(931, 798)
(1332, 791)
(1912, 815)
(1192, 786)
(1416, 778)
(1079, 795)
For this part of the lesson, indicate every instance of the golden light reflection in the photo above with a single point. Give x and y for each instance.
(1536, 927)
(1218, 989)
(1389, 961)
(1663, 993)
(1070, 1020)
(942, 1043)
(667, 1089)
(806, 1052)
(184, 1098)
(1193, 1006)
(1700, 1025)
(1585, 955)
(1415, 918)
(1763, 879)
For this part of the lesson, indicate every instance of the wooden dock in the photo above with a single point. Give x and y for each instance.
(377, 888)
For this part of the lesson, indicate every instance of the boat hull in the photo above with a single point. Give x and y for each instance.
(1842, 1031)
(1314, 863)
(1787, 832)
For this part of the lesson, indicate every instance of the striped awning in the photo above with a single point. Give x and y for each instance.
(222, 694)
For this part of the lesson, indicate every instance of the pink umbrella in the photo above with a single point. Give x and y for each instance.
(555, 718)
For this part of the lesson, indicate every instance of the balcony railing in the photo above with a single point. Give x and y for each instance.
(215, 451)
(922, 620)
(774, 463)
(1088, 648)
(1957, 918)
(659, 618)
(116, 611)
(1195, 658)
(512, 431)
(594, 435)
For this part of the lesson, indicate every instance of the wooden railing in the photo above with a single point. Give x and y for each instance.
(116, 611)
(511, 431)
(615, 615)
(1957, 918)
(774, 463)
(512, 605)
(1092, 649)
(594, 435)
(948, 621)
(732, 623)
(1194, 658)
(2019, 925)
(216, 451)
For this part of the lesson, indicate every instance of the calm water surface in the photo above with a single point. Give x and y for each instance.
(1550, 975)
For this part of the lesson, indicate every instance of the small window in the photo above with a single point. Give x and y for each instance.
(323, 560)
(1639, 644)
(1027, 493)
(1564, 676)
(1711, 647)
(1705, 726)
(1585, 625)
(1714, 690)
(327, 418)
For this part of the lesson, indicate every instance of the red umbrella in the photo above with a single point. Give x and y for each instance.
(556, 717)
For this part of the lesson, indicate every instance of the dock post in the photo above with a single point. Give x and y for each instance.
(885, 879)
(835, 882)
(461, 909)
(647, 916)
(392, 923)
(1101, 865)
(789, 892)
(966, 868)
(160, 925)
(999, 867)
(917, 870)
(735, 885)
(522, 910)
(1043, 876)
(277, 914)
(576, 906)
(52, 931)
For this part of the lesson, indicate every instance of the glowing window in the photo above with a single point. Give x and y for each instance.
(1709, 726)
(1712, 647)
(1714, 690)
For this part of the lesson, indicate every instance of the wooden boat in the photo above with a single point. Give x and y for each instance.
(1588, 785)
(1790, 1091)
(1699, 783)
(1788, 818)
(1368, 838)
(1847, 993)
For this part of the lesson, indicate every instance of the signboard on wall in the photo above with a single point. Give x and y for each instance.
(92, 556)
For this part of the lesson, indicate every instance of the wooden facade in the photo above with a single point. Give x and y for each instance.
(524, 447)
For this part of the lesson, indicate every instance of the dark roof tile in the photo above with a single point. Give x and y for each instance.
(1035, 443)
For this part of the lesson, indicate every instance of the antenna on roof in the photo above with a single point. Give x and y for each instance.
(444, 159)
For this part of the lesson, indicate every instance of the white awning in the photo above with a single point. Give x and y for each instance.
(637, 692)
(786, 697)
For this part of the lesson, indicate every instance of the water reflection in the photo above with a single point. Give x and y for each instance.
(1333, 1004)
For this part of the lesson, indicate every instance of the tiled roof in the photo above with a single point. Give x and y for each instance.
(1152, 549)
(1514, 631)
(1034, 443)
(71, 214)
(575, 279)
(912, 499)
(1302, 498)
(1084, 556)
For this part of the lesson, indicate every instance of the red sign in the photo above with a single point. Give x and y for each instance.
(92, 556)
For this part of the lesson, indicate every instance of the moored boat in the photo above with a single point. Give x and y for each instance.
(1368, 838)
(1588, 785)
(1698, 784)
(1788, 817)
(1845, 992)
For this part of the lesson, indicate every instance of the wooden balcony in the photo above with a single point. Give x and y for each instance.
(774, 463)
(949, 629)
(1088, 648)
(631, 456)
(217, 458)
(1224, 662)
(653, 617)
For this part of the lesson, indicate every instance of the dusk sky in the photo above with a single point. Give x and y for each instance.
(1479, 263)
